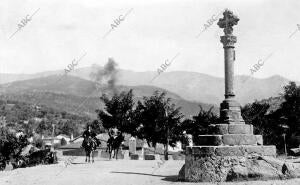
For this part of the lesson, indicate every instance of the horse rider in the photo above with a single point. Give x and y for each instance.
(112, 133)
(89, 133)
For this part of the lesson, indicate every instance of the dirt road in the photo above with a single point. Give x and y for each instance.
(104, 172)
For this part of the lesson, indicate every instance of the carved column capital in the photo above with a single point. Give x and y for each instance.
(228, 41)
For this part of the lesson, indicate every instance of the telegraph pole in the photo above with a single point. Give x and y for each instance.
(168, 133)
(52, 146)
(284, 144)
(285, 127)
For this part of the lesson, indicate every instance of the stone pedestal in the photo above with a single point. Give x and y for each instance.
(230, 112)
(226, 148)
(244, 167)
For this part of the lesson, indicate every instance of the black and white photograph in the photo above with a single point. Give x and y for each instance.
(144, 92)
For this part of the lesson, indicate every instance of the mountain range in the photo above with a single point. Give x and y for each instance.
(79, 96)
(191, 86)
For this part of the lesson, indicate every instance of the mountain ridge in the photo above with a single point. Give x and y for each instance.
(192, 86)
(79, 96)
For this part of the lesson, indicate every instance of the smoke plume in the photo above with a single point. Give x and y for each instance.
(107, 76)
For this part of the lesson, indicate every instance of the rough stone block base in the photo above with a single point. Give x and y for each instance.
(222, 129)
(134, 157)
(230, 112)
(149, 157)
(242, 150)
(239, 139)
(236, 168)
(228, 139)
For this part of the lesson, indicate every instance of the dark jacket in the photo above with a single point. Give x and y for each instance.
(87, 134)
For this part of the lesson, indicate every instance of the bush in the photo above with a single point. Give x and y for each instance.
(39, 143)
(10, 146)
(63, 142)
(2, 162)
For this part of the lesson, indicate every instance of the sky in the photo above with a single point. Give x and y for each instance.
(151, 33)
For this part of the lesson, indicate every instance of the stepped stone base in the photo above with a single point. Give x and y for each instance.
(230, 112)
(236, 168)
(242, 150)
(228, 139)
(221, 129)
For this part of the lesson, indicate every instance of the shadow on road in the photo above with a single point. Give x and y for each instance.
(79, 163)
(170, 178)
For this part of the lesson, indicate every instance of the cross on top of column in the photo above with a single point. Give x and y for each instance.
(228, 21)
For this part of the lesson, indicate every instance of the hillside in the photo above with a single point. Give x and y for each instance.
(8, 77)
(200, 87)
(191, 86)
(79, 96)
(28, 117)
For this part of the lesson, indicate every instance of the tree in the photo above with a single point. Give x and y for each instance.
(67, 127)
(97, 126)
(63, 142)
(255, 114)
(159, 120)
(10, 146)
(118, 112)
(29, 127)
(289, 113)
(273, 124)
(199, 124)
(44, 127)
(263, 124)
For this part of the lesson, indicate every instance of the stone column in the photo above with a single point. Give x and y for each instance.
(230, 111)
(229, 57)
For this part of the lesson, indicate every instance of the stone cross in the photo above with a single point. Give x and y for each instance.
(230, 139)
(228, 21)
(230, 109)
(228, 41)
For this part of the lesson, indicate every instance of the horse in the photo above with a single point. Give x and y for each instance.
(90, 145)
(114, 144)
(109, 143)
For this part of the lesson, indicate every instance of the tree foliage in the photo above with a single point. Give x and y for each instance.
(97, 126)
(273, 124)
(159, 119)
(10, 146)
(199, 124)
(33, 118)
(44, 127)
(118, 112)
